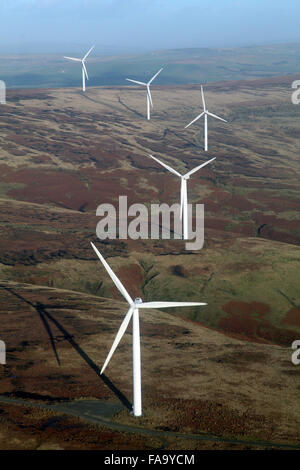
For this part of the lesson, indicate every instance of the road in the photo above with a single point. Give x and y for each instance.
(101, 413)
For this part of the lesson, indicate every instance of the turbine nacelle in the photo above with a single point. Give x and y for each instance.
(138, 300)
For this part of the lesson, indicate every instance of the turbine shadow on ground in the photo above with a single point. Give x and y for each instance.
(43, 320)
(86, 96)
(130, 109)
(196, 143)
(45, 316)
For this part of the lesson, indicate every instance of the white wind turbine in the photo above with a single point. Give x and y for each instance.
(84, 70)
(205, 113)
(149, 98)
(133, 312)
(183, 191)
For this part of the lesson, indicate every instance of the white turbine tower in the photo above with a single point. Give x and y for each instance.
(84, 70)
(147, 85)
(133, 312)
(183, 191)
(205, 113)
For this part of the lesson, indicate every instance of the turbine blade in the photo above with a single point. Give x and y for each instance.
(149, 94)
(198, 167)
(154, 76)
(215, 116)
(203, 100)
(168, 304)
(90, 50)
(135, 81)
(166, 166)
(118, 338)
(72, 58)
(194, 120)
(117, 282)
(85, 70)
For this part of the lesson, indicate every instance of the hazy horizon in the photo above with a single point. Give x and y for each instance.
(111, 50)
(133, 26)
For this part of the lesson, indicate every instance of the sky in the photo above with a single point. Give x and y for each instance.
(146, 25)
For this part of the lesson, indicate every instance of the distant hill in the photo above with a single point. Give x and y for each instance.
(182, 66)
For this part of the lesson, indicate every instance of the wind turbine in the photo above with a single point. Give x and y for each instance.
(183, 191)
(149, 98)
(133, 312)
(84, 70)
(205, 113)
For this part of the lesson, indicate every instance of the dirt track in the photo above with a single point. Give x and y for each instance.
(84, 411)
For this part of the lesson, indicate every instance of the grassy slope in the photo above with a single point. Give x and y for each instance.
(249, 284)
(53, 176)
(194, 379)
(59, 175)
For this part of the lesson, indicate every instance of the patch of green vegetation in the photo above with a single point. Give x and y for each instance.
(229, 227)
(5, 188)
(248, 270)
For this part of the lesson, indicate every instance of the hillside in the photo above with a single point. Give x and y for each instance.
(62, 154)
(195, 380)
(222, 375)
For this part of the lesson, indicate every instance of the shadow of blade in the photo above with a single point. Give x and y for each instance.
(117, 392)
(42, 318)
(130, 109)
(40, 308)
(48, 329)
(108, 105)
(89, 361)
